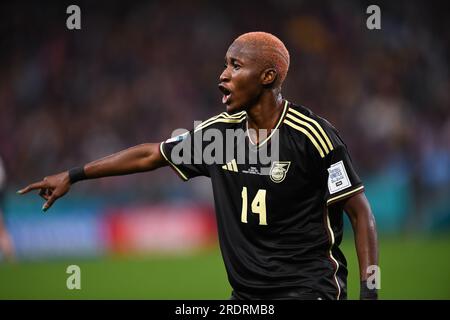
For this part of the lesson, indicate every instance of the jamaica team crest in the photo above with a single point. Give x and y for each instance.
(279, 170)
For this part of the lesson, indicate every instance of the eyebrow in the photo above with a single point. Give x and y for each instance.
(232, 59)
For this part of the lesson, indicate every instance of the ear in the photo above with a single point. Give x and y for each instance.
(268, 76)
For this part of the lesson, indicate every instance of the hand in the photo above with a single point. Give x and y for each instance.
(51, 188)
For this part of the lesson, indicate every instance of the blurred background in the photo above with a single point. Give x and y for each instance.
(138, 70)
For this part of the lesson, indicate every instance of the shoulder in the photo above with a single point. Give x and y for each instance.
(313, 129)
(222, 120)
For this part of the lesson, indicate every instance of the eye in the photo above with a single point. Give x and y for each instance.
(236, 66)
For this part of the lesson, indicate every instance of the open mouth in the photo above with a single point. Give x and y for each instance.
(226, 93)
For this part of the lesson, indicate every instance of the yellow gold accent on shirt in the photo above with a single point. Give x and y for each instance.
(218, 119)
(171, 163)
(301, 115)
(344, 194)
(273, 130)
(311, 128)
(234, 165)
(231, 166)
(310, 137)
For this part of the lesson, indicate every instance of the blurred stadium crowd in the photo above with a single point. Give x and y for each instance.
(135, 72)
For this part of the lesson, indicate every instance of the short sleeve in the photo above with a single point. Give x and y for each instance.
(330, 160)
(184, 155)
(342, 179)
(339, 179)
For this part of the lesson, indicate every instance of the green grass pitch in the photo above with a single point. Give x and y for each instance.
(411, 268)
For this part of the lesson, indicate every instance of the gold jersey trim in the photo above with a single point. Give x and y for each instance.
(285, 108)
(311, 120)
(183, 176)
(344, 195)
(311, 129)
(223, 117)
(306, 132)
(332, 241)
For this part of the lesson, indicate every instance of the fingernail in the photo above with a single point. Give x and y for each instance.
(19, 191)
(44, 208)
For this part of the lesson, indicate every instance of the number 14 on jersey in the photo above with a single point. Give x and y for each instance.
(258, 206)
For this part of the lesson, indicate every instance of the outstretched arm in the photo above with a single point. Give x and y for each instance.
(364, 229)
(140, 158)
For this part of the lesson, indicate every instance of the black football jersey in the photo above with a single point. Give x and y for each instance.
(279, 222)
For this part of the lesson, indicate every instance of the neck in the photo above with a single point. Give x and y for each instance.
(264, 114)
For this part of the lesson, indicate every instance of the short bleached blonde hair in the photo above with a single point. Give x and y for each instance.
(271, 52)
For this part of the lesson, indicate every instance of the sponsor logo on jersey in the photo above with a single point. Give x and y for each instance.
(279, 170)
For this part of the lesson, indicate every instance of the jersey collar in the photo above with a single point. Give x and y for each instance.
(280, 121)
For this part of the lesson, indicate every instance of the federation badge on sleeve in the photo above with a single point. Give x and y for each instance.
(337, 177)
(279, 170)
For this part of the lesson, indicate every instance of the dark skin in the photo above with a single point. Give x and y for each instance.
(246, 86)
(6, 245)
(364, 228)
(251, 86)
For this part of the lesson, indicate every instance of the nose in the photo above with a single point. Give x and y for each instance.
(225, 76)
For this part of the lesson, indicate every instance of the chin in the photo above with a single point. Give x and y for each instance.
(234, 109)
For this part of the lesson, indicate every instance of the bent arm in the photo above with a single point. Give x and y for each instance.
(364, 229)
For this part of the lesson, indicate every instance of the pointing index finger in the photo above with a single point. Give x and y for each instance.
(33, 186)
